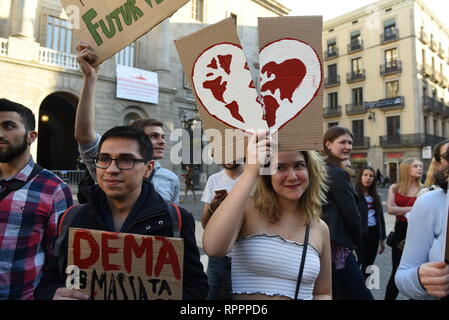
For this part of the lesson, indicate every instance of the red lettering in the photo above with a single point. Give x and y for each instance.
(132, 247)
(94, 249)
(106, 250)
(167, 255)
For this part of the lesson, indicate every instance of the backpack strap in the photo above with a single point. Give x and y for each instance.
(63, 229)
(175, 215)
(15, 185)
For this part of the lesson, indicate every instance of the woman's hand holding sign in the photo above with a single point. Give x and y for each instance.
(260, 151)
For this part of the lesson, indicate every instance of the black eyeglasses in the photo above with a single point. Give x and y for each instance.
(121, 163)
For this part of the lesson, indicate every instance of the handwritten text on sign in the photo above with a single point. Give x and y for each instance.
(120, 266)
(111, 25)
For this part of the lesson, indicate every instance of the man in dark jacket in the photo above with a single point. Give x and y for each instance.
(123, 202)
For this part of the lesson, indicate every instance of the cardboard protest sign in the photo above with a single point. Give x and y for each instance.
(216, 67)
(111, 25)
(290, 102)
(120, 266)
(291, 50)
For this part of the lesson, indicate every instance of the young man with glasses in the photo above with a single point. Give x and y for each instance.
(124, 201)
(165, 181)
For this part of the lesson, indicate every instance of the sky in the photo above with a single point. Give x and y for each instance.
(333, 8)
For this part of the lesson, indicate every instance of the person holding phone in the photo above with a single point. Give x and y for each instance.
(217, 188)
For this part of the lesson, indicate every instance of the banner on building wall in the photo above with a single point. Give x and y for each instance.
(137, 84)
(111, 25)
(289, 101)
(121, 266)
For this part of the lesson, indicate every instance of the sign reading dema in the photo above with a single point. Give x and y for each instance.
(111, 25)
(121, 266)
(137, 84)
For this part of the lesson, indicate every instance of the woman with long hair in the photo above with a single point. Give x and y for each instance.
(274, 232)
(401, 197)
(343, 219)
(373, 222)
(423, 273)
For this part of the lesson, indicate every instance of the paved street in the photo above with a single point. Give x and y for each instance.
(383, 261)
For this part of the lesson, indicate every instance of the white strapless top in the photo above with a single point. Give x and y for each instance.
(265, 264)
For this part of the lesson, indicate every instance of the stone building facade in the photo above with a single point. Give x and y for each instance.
(387, 69)
(38, 69)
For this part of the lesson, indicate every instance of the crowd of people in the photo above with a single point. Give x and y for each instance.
(303, 232)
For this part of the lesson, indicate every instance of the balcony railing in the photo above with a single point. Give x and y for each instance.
(434, 106)
(3, 47)
(57, 58)
(393, 67)
(355, 46)
(444, 83)
(433, 46)
(356, 76)
(409, 140)
(332, 112)
(332, 82)
(386, 37)
(442, 53)
(361, 142)
(329, 55)
(353, 109)
(424, 37)
(435, 77)
(426, 70)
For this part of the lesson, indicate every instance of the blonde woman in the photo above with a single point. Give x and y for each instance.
(401, 197)
(265, 230)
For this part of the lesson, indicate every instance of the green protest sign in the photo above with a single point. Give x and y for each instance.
(111, 25)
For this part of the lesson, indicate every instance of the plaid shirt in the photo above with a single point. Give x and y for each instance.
(28, 229)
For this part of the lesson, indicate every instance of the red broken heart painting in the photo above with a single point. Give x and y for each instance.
(290, 78)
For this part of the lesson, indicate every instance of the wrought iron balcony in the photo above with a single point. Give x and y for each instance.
(353, 109)
(424, 37)
(442, 53)
(356, 76)
(332, 112)
(434, 106)
(329, 55)
(332, 82)
(355, 46)
(409, 140)
(426, 70)
(386, 37)
(433, 46)
(390, 68)
(360, 142)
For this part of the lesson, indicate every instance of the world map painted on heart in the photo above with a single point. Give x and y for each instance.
(290, 77)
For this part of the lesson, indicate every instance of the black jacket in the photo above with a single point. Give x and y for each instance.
(340, 212)
(152, 220)
(380, 220)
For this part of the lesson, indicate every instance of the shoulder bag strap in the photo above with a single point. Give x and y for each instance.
(303, 260)
(17, 184)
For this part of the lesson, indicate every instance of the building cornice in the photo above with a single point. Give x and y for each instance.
(430, 13)
(362, 12)
(274, 6)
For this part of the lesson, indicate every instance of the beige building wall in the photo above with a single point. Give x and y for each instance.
(409, 16)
